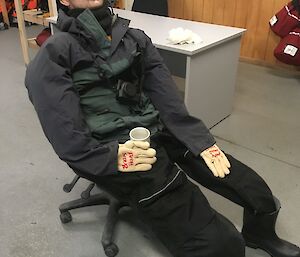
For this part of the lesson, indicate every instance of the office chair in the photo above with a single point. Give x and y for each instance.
(102, 198)
(157, 7)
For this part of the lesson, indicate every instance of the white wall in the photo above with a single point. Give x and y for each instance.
(128, 4)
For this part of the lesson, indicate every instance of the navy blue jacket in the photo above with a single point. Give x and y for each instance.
(57, 103)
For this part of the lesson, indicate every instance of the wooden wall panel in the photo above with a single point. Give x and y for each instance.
(241, 14)
(240, 20)
(208, 7)
(259, 41)
(188, 7)
(229, 12)
(119, 4)
(172, 7)
(273, 40)
(176, 8)
(198, 10)
(251, 25)
(218, 12)
(262, 30)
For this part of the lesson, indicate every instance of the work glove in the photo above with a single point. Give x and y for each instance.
(135, 156)
(216, 161)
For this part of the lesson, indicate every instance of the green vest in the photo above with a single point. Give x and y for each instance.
(107, 118)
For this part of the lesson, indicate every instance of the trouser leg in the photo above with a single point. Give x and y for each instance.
(179, 219)
(176, 210)
(219, 238)
(246, 188)
(242, 186)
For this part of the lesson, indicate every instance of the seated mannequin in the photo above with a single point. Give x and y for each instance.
(157, 7)
(97, 79)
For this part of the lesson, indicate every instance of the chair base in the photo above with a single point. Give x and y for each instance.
(102, 198)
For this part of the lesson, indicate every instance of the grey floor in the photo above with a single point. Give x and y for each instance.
(263, 131)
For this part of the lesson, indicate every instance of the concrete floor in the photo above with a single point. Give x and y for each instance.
(263, 131)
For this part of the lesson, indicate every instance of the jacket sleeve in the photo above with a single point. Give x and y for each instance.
(49, 83)
(161, 89)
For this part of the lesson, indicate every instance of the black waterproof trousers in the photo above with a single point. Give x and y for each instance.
(176, 209)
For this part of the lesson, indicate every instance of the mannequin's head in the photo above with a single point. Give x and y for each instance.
(82, 4)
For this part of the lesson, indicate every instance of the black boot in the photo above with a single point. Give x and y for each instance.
(259, 232)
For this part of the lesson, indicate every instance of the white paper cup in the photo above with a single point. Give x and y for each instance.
(140, 134)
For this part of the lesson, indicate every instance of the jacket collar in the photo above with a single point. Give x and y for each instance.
(90, 23)
(119, 29)
(86, 28)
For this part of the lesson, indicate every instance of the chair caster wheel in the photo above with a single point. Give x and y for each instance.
(111, 250)
(65, 217)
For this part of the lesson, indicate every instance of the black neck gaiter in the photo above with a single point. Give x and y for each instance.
(102, 14)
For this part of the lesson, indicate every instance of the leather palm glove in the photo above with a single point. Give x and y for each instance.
(135, 156)
(216, 161)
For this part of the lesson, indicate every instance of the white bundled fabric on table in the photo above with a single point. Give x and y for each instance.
(180, 36)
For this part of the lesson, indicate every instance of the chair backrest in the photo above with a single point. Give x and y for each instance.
(157, 7)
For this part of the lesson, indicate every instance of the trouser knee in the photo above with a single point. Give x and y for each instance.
(218, 239)
(227, 240)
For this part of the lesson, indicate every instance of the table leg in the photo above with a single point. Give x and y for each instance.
(210, 82)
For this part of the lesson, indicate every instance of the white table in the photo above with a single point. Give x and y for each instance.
(209, 68)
